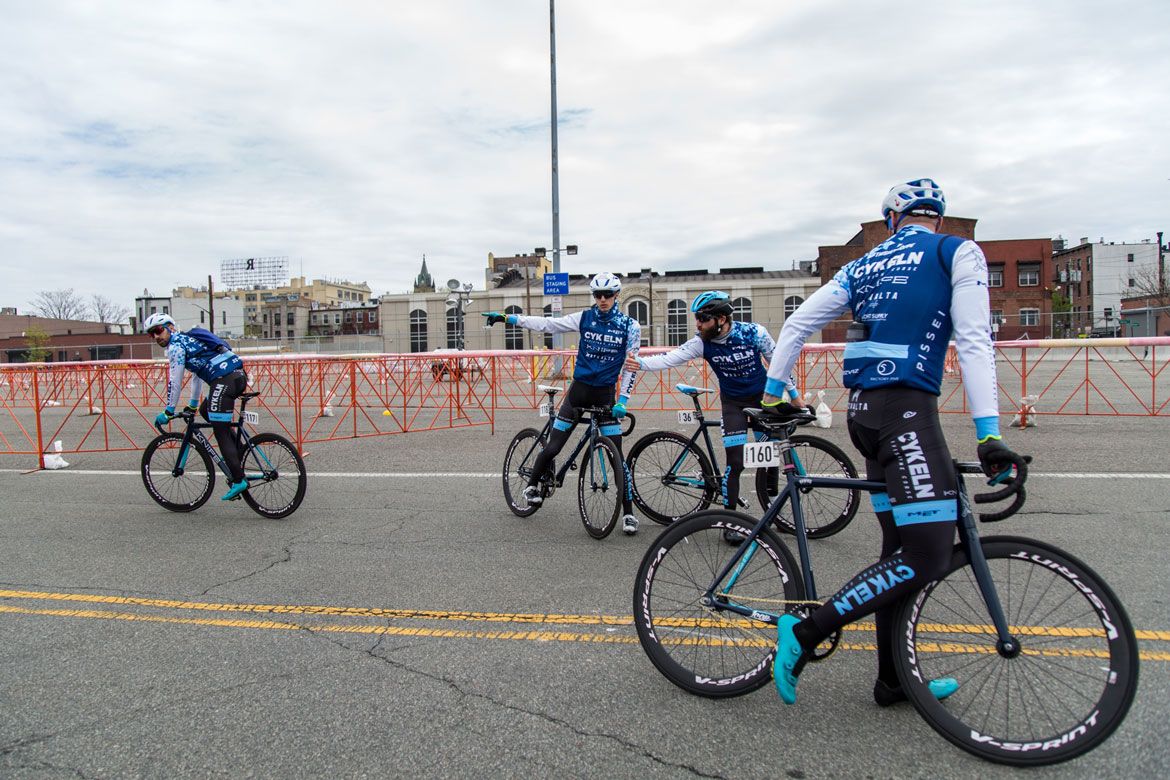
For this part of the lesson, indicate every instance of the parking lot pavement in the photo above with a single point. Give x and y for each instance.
(403, 621)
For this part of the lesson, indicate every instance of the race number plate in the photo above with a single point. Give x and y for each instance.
(761, 454)
(686, 417)
(252, 418)
(544, 410)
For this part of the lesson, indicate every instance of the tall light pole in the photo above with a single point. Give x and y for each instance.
(556, 194)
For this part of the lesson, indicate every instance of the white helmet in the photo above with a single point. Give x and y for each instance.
(913, 196)
(606, 282)
(155, 320)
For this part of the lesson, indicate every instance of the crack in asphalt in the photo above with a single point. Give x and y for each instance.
(628, 745)
(287, 553)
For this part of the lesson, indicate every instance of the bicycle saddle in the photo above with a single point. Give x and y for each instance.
(548, 389)
(799, 415)
(692, 391)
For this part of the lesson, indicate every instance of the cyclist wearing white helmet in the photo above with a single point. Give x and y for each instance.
(211, 360)
(607, 336)
(909, 295)
(738, 353)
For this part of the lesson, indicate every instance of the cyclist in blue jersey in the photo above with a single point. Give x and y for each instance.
(738, 353)
(607, 336)
(909, 295)
(211, 360)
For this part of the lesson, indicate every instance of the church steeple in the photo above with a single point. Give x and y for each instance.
(423, 282)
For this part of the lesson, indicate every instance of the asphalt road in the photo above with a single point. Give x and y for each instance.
(404, 622)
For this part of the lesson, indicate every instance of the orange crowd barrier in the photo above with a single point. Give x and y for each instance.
(110, 406)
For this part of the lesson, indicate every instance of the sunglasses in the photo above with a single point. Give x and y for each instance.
(704, 317)
(599, 294)
(156, 330)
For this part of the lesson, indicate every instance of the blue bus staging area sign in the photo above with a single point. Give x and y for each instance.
(556, 284)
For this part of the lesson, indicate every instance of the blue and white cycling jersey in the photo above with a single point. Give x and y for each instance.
(913, 291)
(735, 358)
(605, 341)
(205, 362)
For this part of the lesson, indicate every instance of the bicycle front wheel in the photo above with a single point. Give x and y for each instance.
(826, 510)
(699, 648)
(601, 486)
(1065, 691)
(671, 475)
(518, 463)
(191, 487)
(276, 476)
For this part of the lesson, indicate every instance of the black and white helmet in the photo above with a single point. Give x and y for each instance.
(606, 282)
(922, 196)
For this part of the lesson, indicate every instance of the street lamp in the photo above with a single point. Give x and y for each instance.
(458, 299)
(540, 251)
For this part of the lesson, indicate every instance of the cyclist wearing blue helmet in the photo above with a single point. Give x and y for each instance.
(909, 295)
(607, 336)
(738, 353)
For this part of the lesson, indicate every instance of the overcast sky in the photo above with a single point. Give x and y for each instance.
(142, 143)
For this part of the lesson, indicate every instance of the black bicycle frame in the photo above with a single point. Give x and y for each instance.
(194, 436)
(968, 541)
(591, 435)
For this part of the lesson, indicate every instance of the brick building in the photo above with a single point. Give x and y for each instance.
(1019, 274)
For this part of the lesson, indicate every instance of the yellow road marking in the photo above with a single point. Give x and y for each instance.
(471, 617)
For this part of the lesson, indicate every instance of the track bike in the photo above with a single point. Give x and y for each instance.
(673, 477)
(177, 467)
(601, 479)
(1044, 653)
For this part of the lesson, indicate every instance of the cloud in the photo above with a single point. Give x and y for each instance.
(142, 145)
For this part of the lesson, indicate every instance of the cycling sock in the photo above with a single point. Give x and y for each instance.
(886, 695)
(808, 635)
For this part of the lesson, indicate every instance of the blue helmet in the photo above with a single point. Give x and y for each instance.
(922, 196)
(712, 302)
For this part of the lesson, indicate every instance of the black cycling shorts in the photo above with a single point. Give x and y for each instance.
(897, 430)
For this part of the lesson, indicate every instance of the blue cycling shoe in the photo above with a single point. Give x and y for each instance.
(887, 695)
(943, 687)
(235, 490)
(790, 659)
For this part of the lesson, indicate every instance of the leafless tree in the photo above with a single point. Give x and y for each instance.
(60, 305)
(1147, 281)
(105, 310)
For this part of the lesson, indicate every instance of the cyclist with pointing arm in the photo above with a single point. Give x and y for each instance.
(738, 353)
(607, 337)
(908, 296)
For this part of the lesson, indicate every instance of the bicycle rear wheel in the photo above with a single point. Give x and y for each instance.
(1067, 689)
(701, 649)
(601, 485)
(826, 510)
(672, 477)
(518, 460)
(191, 488)
(276, 476)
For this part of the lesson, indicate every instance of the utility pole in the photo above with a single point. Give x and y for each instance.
(210, 304)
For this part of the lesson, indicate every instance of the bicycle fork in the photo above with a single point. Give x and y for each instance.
(1006, 643)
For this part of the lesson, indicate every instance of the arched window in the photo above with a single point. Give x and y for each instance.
(452, 329)
(548, 340)
(676, 322)
(741, 309)
(639, 311)
(513, 334)
(791, 303)
(418, 331)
